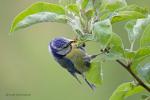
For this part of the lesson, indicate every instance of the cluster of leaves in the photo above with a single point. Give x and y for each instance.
(92, 20)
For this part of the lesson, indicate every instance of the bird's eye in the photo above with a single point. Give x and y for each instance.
(65, 47)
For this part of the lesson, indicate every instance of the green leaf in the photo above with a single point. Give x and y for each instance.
(134, 7)
(87, 37)
(97, 4)
(136, 28)
(86, 5)
(129, 54)
(108, 40)
(145, 97)
(144, 72)
(66, 2)
(103, 32)
(141, 54)
(112, 5)
(125, 90)
(73, 8)
(89, 14)
(126, 15)
(106, 15)
(37, 13)
(94, 74)
(75, 23)
(116, 49)
(145, 39)
(129, 27)
(141, 24)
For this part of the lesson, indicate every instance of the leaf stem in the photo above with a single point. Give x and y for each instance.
(128, 68)
(132, 45)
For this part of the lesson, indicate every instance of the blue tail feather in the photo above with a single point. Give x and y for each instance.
(75, 76)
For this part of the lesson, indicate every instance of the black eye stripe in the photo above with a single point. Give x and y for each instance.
(63, 48)
(69, 44)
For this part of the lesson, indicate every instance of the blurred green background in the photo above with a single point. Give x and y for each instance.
(26, 66)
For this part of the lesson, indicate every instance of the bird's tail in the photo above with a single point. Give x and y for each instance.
(92, 86)
(75, 76)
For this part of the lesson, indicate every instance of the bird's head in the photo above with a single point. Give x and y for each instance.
(60, 46)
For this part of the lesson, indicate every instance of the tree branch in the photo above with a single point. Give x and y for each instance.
(128, 68)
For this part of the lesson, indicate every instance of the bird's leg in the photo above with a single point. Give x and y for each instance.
(94, 56)
(102, 51)
(92, 86)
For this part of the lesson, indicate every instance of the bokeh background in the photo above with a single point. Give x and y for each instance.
(26, 66)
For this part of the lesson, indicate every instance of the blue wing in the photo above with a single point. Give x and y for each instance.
(67, 64)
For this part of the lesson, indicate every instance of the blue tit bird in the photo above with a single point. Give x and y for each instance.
(71, 57)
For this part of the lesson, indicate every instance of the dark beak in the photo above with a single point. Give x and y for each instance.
(71, 41)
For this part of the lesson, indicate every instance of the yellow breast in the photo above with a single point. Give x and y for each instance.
(77, 56)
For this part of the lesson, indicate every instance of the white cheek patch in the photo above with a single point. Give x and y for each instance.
(64, 51)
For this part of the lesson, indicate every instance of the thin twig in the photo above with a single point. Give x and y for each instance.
(128, 68)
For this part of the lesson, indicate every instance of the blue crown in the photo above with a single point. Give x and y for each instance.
(59, 42)
(56, 44)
